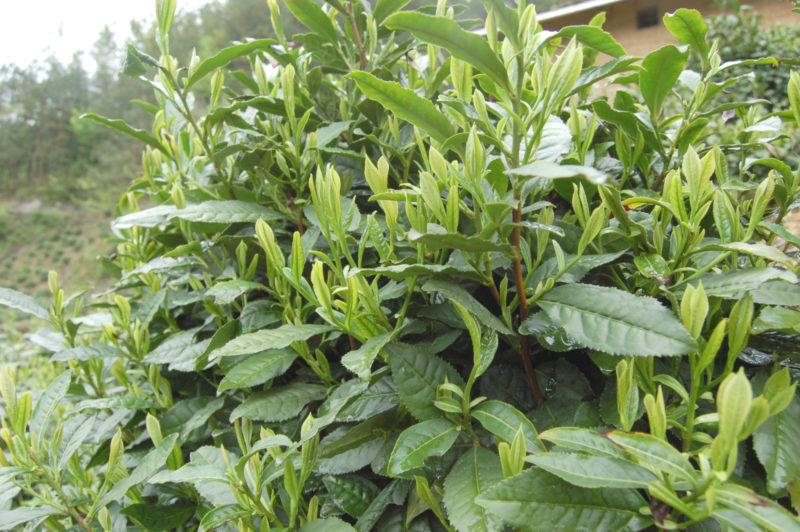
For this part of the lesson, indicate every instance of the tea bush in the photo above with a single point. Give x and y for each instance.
(400, 276)
(741, 34)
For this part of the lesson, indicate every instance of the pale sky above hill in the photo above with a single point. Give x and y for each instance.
(35, 29)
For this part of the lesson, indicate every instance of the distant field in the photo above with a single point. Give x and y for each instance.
(35, 239)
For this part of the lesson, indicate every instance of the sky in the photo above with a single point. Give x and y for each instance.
(36, 29)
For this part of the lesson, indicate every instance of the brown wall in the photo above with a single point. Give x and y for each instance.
(621, 20)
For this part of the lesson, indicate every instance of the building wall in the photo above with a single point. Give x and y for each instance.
(621, 20)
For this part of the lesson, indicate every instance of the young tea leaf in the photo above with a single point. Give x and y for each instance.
(25, 303)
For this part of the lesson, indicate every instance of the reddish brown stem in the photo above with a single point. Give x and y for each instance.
(361, 57)
(523, 306)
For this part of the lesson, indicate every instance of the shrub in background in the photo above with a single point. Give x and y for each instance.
(401, 276)
(741, 35)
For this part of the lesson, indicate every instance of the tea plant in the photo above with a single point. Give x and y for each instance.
(357, 280)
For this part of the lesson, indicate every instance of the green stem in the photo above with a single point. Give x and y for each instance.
(188, 114)
(56, 487)
(692, 406)
(401, 318)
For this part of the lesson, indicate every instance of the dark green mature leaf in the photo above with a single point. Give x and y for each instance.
(158, 517)
(257, 369)
(734, 284)
(74, 440)
(549, 335)
(313, 17)
(471, 244)
(578, 271)
(266, 104)
(432, 437)
(652, 265)
(226, 292)
(206, 465)
(221, 515)
(551, 170)
(590, 76)
(190, 414)
(475, 471)
(660, 70)
(617, 322)
(9, 519)
(777, 293)
(122, 127)
(384, 8)
(225, 56)
(394, 493)
(465, 299)
(180, 351)
(136, 62)
(338, 397)
(406, 105)
(688, 27)
(330, 524)
(379, 397)
(87, 352)
(759, 250)
(503, 420)
(151, 217)
(537, 500)
(400, 272)
(331, 132)
(362, 433)
(351, 460)
(782, 232)
(777, 446)
(593, 37)
(269, 339)
(656, 452)
(777, 319)
(444, 32)
(148, 465)
(766, 514)
(47, 403)
(627, 121)
(25, 303)
(583, 440)
(594, 471)
(507, 18)
(360, 360)
(416, 373)
(118, 402)
(278, 404)
(350, 493)
(226, 212)
(222, 336)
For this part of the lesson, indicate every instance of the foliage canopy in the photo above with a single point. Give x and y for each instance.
(399, 276)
